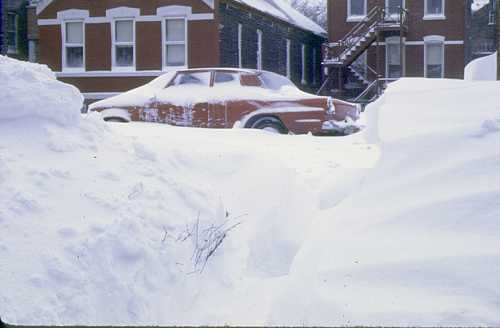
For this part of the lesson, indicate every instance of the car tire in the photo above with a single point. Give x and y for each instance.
(270, 124)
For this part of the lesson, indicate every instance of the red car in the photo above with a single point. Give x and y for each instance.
(224, 98)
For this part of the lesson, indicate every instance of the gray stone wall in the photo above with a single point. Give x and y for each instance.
(480, 34)
(274, 36)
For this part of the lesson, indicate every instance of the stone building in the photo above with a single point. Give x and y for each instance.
(13, 29)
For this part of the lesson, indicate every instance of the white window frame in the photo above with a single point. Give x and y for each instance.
(240, 45)
(14, 50)
(394, 40)
(303, 78)
(434, 39)
(429, 16)
(165, 43)
(355, 18)
(288, 58)
(259, 49)
(114, 44)
(66, 45)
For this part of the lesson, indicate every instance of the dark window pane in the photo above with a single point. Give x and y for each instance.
(434, 71)
(435, 7)
(357, 7)
(74, 57)
(124, 56)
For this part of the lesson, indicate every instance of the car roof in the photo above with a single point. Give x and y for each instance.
(224, 69)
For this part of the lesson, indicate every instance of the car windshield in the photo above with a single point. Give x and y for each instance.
(275, 81)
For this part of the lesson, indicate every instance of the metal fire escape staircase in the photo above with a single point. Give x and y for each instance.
(339, 56)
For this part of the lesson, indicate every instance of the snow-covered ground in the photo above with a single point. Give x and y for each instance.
(111, 223)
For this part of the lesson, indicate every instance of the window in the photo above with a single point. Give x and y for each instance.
(393, 7)
(11, 30)
(303, 57)
(434, 56)
(259, 49)
(240, 44)
(356, 9)
(393, 58)
(124, 44)
(226, 78)
(194, 79)
(492, 17)
(315, 66)
(434, 9)
(74, 45)
(288, 59)
(175, 50)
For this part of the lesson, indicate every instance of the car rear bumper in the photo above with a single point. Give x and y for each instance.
(345, 127)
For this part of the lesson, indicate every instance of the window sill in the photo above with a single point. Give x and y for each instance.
(173, 68)
(73, 70)
(434, 17)
(123, 69)
(355, 18)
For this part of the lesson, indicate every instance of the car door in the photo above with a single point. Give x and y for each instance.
(184, 101)
(235, 100)
(226, 85)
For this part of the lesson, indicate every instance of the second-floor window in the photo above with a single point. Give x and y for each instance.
(74, 45)
(11, 31)
(175, 42)
(434, 8)
(356, 9)
(124, 44)
(393, 7)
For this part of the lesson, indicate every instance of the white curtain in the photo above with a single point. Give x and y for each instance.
(175, 30)
(434, 53)
(124, 31)
(74, 32)
(176, 55)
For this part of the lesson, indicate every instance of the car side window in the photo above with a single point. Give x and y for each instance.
(186, 79)
(226, 78)
(250, 80)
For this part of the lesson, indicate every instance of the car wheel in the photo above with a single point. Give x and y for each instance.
(270, 124)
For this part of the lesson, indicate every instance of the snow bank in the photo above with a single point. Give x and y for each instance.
(416, 242)
(482, 69)
(31, 90)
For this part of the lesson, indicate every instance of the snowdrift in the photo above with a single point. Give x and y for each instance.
(482, 69)
(31, 90)
(416, 243)
(111, 224)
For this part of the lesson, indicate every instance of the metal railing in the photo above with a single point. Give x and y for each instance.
(377, 17)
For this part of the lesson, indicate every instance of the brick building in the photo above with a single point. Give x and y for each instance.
(106, 47)
(374, 41)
